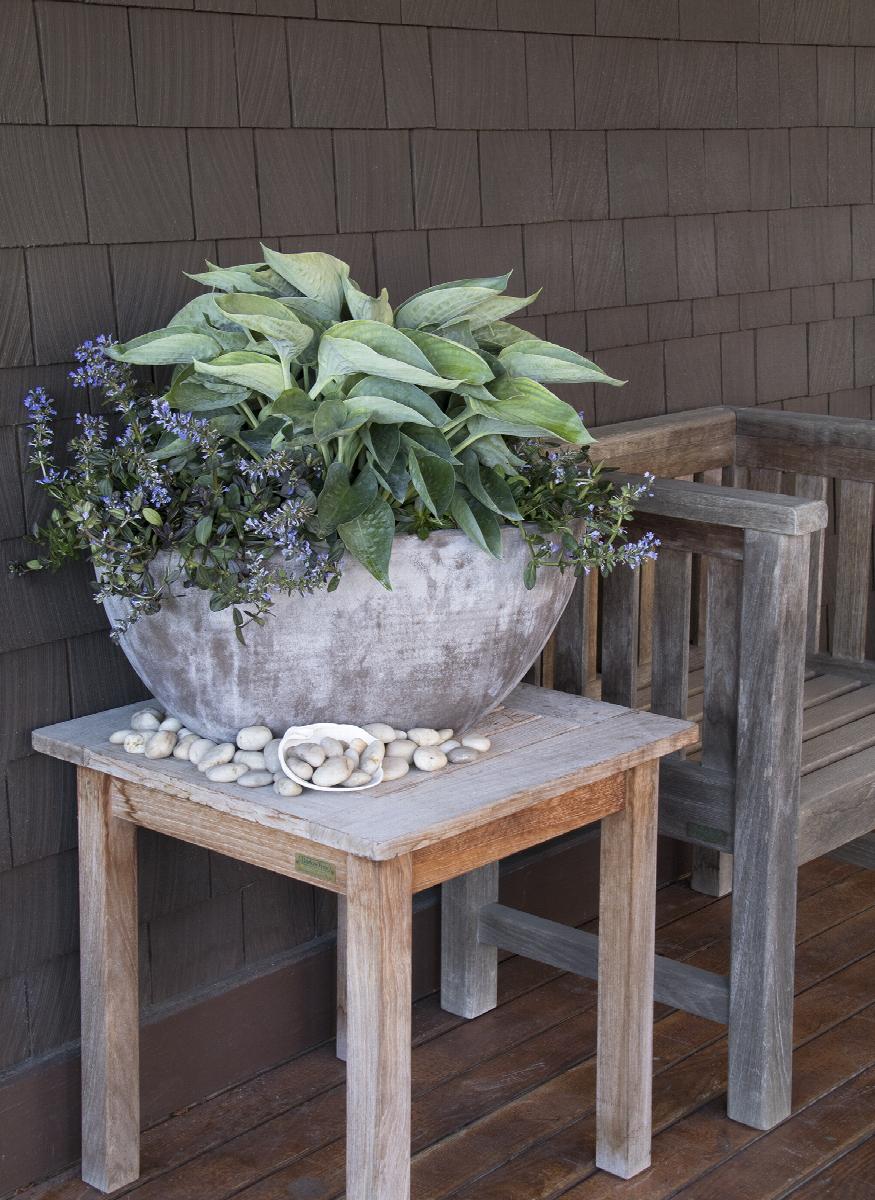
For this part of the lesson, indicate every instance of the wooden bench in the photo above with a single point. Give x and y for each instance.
(734, 627)
(558, 763)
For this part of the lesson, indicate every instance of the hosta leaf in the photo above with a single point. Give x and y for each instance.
(488, 487)
(367, 308)
(500, 334)
(535, 359)
(296, 405)
(319, 276)
(530, 403)
(450, 359)
(168, 447)
(384, 411)
(460, 332)
(257, 371)
(384, 442)
(434, 479)
(431, 440)
(332, 419)
(385, 340)
(201, 312)
(341, 501)
(493, 451)
(405, 393)
(494, 308)
(369, 539)
(441, 306)
(477, 522)
(189, 395)
(341, 355)
(492, 283)
(227, 279)
(271, 319)
(318, 315)
(176, 344)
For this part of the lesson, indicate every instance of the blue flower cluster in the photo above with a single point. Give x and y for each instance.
(98, 371)
(187, 426)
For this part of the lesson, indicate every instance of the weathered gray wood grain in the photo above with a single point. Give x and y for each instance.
(571, 660)
(469, 968)
(814, 487)
(854, 557)
(620, 605)
(843, 447)
(860, 852)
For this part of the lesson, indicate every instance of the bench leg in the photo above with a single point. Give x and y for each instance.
(766, 827)
(110, 1001)
(340, 1027)
(469, 971)
(378, 984)
(627, 927)
(712, 872)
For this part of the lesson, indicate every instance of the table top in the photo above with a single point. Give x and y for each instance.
(544, 744)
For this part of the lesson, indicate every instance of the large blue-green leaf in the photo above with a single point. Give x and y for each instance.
(451, 359)
(431, 440)
(190, 395)
(367, 347)
(367, 308)
(383, 411)
(441, 306)
(530, 403)
(272, 320)
(405, 393)
(383, 441)
(477, 522)
(369, 539)
(332, 419)
(319, 276)
(493, 451)
(499, 334)
(534, 359)
(176, 344)
(434, 479)
(495, 308)
(295, 405)
(227, 279)
(248, 369)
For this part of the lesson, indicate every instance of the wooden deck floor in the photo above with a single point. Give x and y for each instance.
(503, 1106)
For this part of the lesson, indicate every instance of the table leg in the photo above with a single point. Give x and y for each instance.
(110, 1003)
(340, 1008)
(625, 985)
(469, 970)
(378, 988)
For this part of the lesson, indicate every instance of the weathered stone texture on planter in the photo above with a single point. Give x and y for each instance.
(455, 634)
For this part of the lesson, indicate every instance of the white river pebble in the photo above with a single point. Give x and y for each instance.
(182, 732)
(173, 724)
(372, 757)
(298, 767)
(283, 786)
(332, 747)
(135, 743)
(449, 745)
(429, 758)
(145, 720)
(400, 735)
(118, 738)
(357, 779)
(463, 754)
(476, 741)
(358, 745)
(253, 759)
(394, 768)
(352, 758)
(183, 746)
(199, 748)
(445, 734)
(254, 737)
(425, 737)
(160, 744)
(310, 752)
(403, 748)
(226, 772)
(272, 755)
(332, 772)
(381, 731)
(217, 757)
(256, 779)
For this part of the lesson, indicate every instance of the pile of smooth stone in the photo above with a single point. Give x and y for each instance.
(254, 759)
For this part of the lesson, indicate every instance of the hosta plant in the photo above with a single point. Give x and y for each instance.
(289, 419)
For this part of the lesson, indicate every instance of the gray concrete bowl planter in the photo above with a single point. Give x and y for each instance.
(454, 636)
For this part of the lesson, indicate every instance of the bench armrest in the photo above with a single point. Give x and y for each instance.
(736, 508)
(808, 443)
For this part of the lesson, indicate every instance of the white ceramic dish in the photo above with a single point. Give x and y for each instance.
(297, 734)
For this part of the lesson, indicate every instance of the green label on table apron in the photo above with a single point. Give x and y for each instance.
(317, 867)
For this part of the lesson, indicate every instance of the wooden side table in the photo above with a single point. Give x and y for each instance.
(558, 763)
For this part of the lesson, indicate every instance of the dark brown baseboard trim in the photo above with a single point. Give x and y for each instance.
(193, 1050)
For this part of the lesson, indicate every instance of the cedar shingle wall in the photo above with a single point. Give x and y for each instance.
(691, 180)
